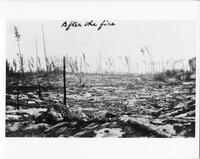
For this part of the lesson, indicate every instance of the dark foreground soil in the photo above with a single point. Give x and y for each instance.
(100, 106)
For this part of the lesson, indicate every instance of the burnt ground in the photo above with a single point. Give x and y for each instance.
(100, 106)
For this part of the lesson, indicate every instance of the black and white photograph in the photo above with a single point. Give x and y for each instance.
(99, 79)
(104, 78)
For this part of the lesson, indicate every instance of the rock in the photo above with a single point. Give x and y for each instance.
(77, 114)
(14, 127)
(107, 132)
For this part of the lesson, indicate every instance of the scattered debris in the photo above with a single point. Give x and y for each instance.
(106, 106)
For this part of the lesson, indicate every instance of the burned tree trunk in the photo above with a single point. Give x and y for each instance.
(64, 81)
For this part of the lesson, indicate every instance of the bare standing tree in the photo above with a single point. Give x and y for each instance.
(45, 52)
(15, 65)
(86, 65)
(127, 59)
(151, 59)
(30, 65)
(99, 63)
(81, 65)
(18, 37)
(37, 58)
(143, 54)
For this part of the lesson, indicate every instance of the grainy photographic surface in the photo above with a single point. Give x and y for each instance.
(100, 78)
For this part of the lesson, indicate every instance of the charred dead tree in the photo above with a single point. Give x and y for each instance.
(73, 64)
(21, 61)
(86, 65)
(53, 66)
(38, 65)
(110, 65)
(127, 59)
(123, 65)
(151, 59)
(81, 65)
(37, 58)
(143, 54)
(45, 53)
(31, 65)
(99, 65)
(18, 37)
(76, 64)
(64, 81)
(15, 65)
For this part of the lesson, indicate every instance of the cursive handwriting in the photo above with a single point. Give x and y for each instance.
(91, 23)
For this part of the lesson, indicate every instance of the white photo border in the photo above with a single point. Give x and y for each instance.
(23, 148)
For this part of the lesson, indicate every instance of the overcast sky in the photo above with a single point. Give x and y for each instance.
(164, 39)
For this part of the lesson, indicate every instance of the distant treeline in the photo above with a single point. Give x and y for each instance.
(80, 65)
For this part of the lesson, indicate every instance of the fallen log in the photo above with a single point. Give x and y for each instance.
(180, 111)
(181, 120)
(145, 126)
(55, 127)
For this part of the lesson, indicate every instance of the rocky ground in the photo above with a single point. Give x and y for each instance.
(100, 106)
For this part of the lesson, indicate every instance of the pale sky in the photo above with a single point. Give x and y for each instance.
(165, 40)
